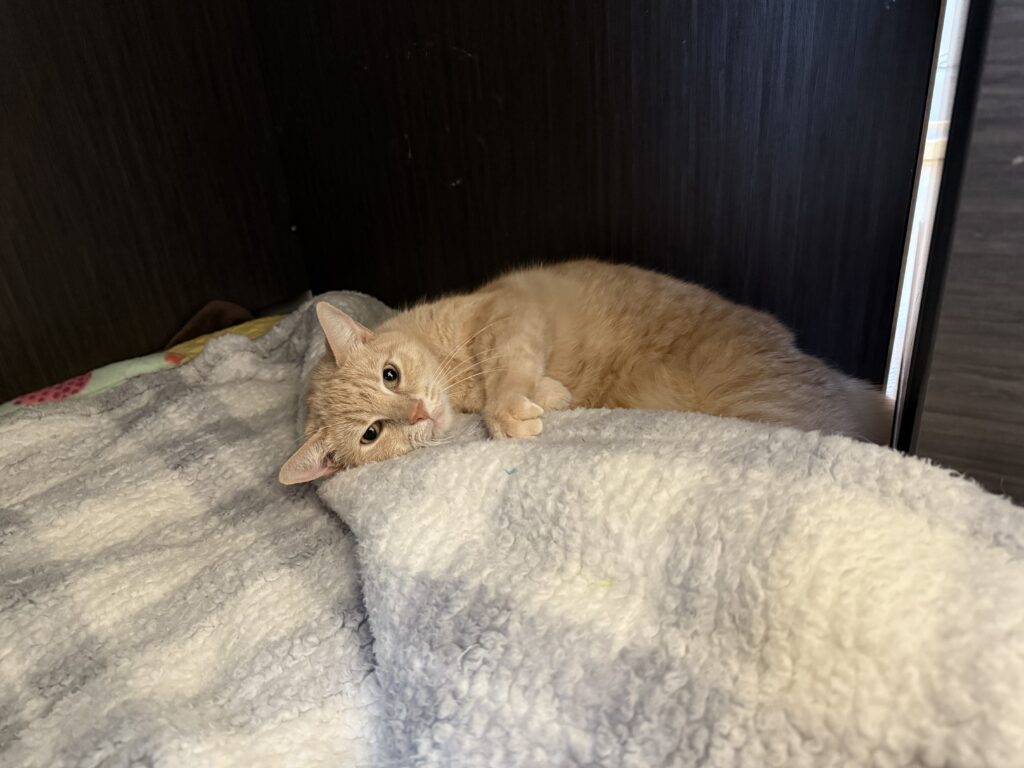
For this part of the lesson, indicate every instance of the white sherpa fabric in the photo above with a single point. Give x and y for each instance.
(164, 601)
(645, 589)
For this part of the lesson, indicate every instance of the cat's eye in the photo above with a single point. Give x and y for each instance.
(372, 433)
(390, 376)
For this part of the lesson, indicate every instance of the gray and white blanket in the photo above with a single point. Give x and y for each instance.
(163, 600)
(630, 589)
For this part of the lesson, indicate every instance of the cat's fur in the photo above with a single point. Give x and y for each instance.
(583, 334)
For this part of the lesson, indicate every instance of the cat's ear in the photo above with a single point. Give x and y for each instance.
(308, 463)
(341, 331)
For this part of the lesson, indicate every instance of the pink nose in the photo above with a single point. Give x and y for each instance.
(418, 413)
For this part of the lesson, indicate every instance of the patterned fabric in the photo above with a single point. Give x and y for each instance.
(108, 376)
(52, 394)
(253, 329)
(163, 600)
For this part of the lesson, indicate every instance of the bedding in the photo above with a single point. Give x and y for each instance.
(163, 600)
(646, 589)
(109, 376)
(630, 589)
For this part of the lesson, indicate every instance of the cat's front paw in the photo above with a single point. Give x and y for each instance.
(552, 395)
(515, 416)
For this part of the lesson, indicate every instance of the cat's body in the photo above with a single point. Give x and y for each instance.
(578, 334)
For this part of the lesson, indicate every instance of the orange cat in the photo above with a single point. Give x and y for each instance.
(582, 334)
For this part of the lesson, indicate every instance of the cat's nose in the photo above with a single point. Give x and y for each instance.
(418, 413)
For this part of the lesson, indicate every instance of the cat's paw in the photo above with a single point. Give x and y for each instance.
(515, 416)
(552, 395)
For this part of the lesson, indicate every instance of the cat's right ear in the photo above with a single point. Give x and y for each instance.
(308, 463)
(341, 331)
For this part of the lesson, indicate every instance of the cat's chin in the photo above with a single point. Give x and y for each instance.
(442, 423)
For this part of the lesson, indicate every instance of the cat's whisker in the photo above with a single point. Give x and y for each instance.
(428, 441)
(475, 335)
(452, 354)
(473, 376)
(454, 368)
(469, 376)
(469, 365)
(442, 366)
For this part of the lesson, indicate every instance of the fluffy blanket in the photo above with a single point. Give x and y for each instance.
(630, 589)
(163, 600)
(641, 589)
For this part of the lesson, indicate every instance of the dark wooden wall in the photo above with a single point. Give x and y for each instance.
(138, 180)
(155, 155)
(765, 149)
(973, 418)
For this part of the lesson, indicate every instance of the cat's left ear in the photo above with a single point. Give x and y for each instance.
(308, 463)
(341, 331)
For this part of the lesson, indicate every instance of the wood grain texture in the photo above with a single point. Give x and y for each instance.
(138, 180)
(973, 418)
(766, 150)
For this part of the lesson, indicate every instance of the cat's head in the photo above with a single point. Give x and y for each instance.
(372, 397)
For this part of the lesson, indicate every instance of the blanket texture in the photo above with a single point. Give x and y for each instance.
(643, 589)
(163, 600)
(631, 589)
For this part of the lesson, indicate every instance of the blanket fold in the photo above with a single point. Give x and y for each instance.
(645, 589)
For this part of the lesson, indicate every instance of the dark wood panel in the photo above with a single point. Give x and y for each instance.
(766, 150)
(137, 180)
(973, 418)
